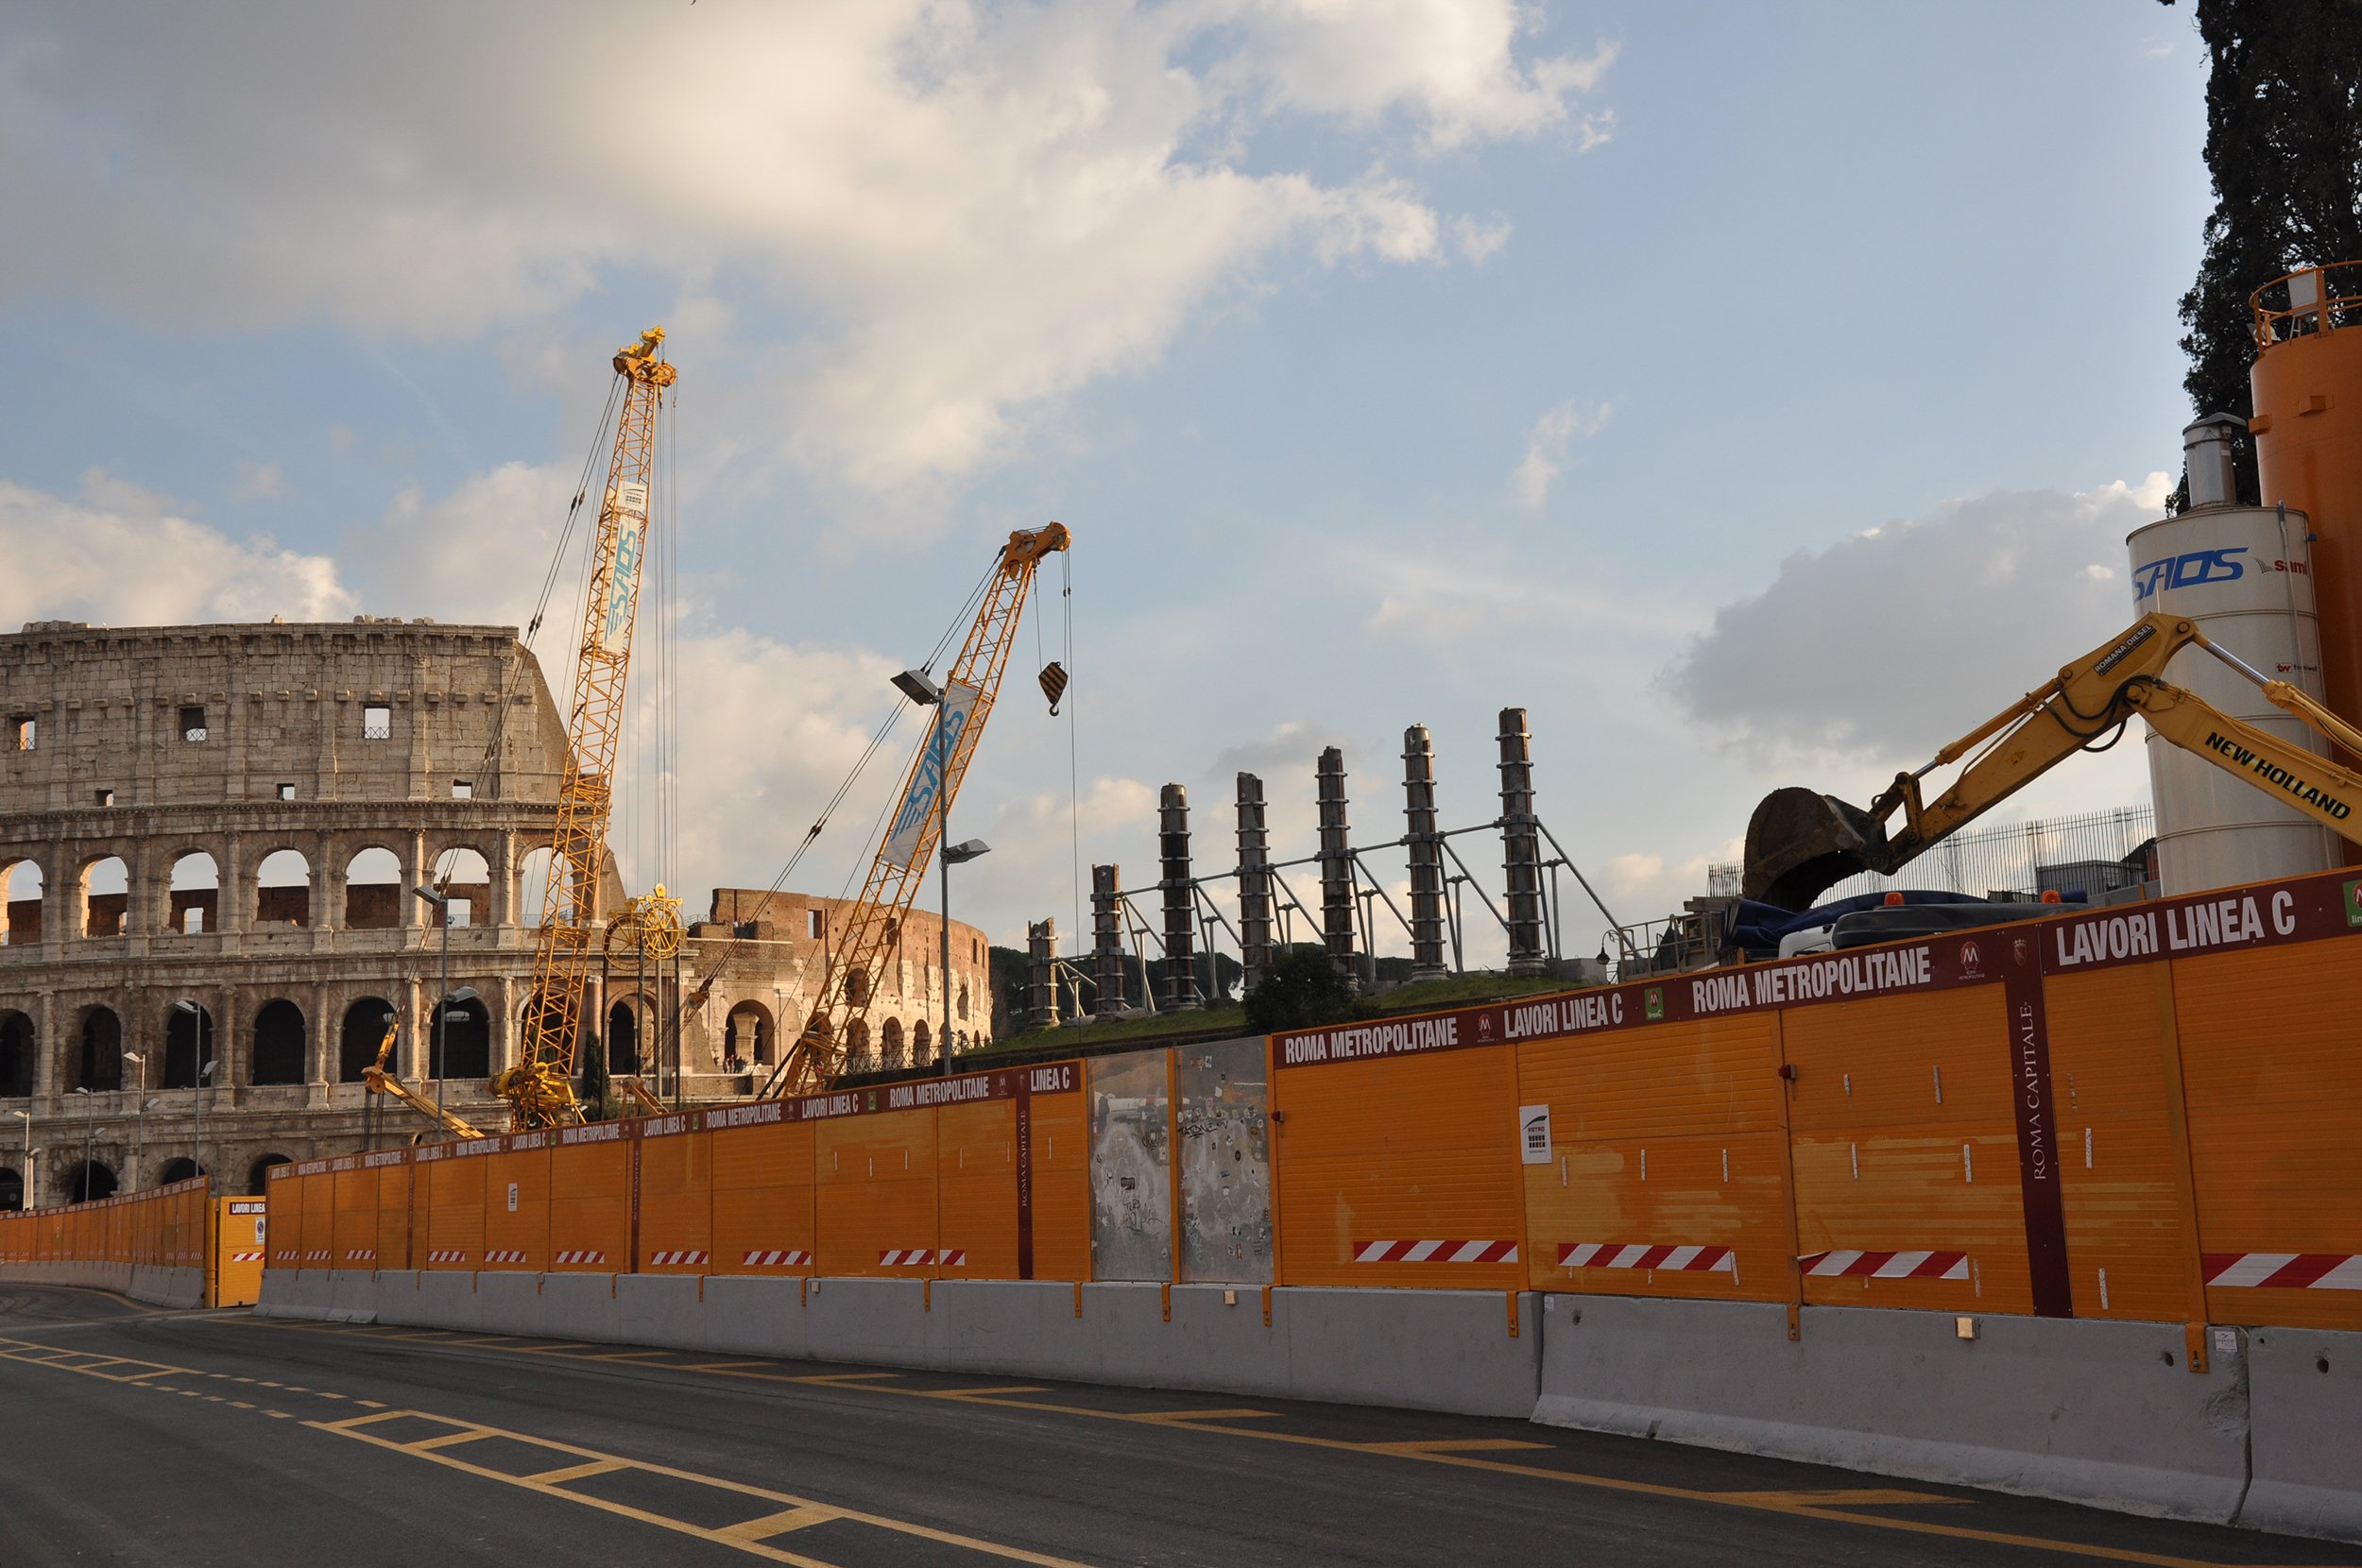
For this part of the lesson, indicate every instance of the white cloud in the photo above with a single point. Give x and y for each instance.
(123, 557)
(1883, 646)
(969, 212)
(1546, 448)
(258, 482)
(1442, 598)
(1480, 239)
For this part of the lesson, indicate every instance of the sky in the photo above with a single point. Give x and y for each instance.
(1755, 395)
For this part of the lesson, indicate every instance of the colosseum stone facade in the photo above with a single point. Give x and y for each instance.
(207, 836)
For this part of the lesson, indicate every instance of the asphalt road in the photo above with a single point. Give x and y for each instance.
(131, 1436)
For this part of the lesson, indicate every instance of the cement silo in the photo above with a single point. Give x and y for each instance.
(2244, 575)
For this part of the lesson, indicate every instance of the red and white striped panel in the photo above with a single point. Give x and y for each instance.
(361, 1255)
(674, 1260)
(1434, 1252)
(246, 1257)
(1887, 1266)
(918, 1257)
(447, 1256)
(506, 1254)
(579, 1256)
(790, 1259)
(319, 1256)
(2285, 1271)
(1616, 1255)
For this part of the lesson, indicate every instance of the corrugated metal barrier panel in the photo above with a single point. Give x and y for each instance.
(357, 1215)
(317, 1237)
(517, 1203)
(1401, 1172)
(1131, 1176)
(976, 1202)
(1655, 1165)
(675, 1196)
(391, 1168)
(874, 1177)
(762, 1192)
(2271, 1053)
(456, 1205)
(1906, 1142)
(590, 1198)
(2130, 1245)
(1225, 1161)
(1062, 1180)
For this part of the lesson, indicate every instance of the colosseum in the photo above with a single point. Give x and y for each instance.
(207, 835)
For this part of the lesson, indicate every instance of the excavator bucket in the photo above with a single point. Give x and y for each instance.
(1800, 843)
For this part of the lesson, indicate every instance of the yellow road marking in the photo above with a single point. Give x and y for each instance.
(793, 1512)
(1449, 1445)
(1827, 1505)
(637, 1357)
(575, 1472)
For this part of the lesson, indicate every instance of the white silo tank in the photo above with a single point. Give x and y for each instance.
(2244, 575)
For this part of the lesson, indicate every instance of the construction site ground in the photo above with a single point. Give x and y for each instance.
(245, 1440)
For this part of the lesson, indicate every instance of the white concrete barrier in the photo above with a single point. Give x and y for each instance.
(2091, 1412)
(570, 1306)
(748, 1315)
(661, 1309)
(2305, 1394)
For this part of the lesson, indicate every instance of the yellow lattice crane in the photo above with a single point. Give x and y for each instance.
(539, 1089)
(962, 703)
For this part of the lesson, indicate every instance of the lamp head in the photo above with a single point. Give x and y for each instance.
(431, 896)
(965, 851)
(918, 687)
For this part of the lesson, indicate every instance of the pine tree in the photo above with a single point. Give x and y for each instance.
(2283, 144)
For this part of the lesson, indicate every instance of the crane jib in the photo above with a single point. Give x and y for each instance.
(919, 805)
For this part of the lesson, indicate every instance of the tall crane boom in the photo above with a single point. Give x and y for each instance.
(900, 866)
(539, 1089)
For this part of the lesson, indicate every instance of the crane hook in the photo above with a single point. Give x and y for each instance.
(1053, 681)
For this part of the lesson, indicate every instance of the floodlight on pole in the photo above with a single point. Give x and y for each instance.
(965, 850)
(920, 687)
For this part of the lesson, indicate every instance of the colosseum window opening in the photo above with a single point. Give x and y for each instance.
(286, 792)
(890, 1040)
(105, 798)
(466, 1046)
(16, 1055)
(283, 889)
(24, 732)
(533, 885)
(179, 1169)
(747, 1036)
(188, 1047)
(377, 721)
(815, 924)
(623, 1038)
(278, 1050)
(857, 1041)
(196, 894)
(373, 891)
(20, 904)
(462, 789)
(88, 1183)
(100, 1061)
(192, 730)
(258, 1174)
(922, 1043)
(11, 1188)
(465, 878)
(364, 1031)
(106, 897)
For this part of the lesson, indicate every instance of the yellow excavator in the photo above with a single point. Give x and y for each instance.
(1801, 842)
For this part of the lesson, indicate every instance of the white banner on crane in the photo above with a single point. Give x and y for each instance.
(629, 501)
(921, 805)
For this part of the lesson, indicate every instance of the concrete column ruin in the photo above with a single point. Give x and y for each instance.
(1336, 863)
(1427, 855)
(1172, 850)
(1255, 908)
(1106, 940)
(1041, 973)
(1521, 847)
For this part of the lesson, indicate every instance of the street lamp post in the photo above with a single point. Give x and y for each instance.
(953, 854)
(441, 1063)
(139, 1143)
(139, 1087)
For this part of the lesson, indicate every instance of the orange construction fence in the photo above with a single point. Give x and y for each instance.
(2140, 1112)
(163, 1228)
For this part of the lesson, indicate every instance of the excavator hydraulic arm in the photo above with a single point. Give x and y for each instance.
(382, 1080)
(1801, 842)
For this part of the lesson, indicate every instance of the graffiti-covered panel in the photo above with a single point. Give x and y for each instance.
(1131, 1168)
(1225, 1162)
